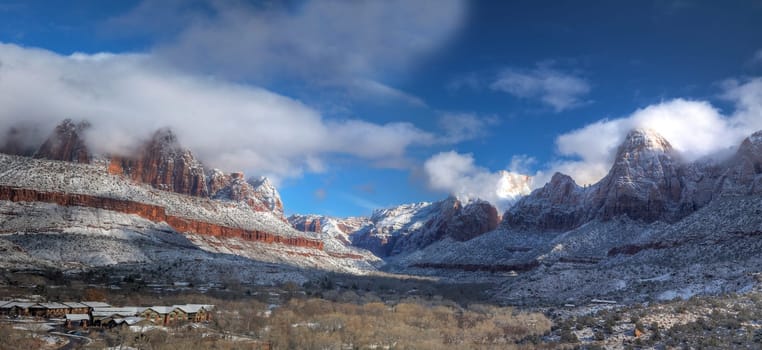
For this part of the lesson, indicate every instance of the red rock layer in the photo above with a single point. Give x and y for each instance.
(153, 213)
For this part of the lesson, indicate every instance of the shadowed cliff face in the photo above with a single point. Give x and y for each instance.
(66, 143)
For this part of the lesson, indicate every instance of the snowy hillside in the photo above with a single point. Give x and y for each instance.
(115, 232)
(653, 228)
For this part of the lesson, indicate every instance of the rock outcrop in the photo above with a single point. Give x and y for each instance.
(557, 206)
(644, 183)
(66, 143)
(413, 226)
(259, 194)
(329, 228)
(647, 182)
(267, 194)
(163, 164)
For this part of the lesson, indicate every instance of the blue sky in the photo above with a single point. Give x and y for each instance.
(345, 104)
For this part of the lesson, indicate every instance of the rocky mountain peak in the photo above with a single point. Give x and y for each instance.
(66, 143)
(268, 194)
(638, 140)
(164, 164)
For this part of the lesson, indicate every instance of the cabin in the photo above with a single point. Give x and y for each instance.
(77, 308)
(94, 304)
(54, 310)
(164, 315)
(196, 312)
(102, 315)
(77, 321)
(20, 308)
(127, 321)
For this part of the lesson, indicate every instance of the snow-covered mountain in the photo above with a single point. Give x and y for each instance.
(161, 162)
(654, 227)
(413, 226)
(332, 231)
(648, 182)
(143, 208)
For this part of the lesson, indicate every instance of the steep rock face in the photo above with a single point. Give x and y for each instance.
(413, 226)
(646, 182)
(66, 143)
(307, 223)
(267, 194)
(233, 187)
(162, 163)
(643, 183)
(559, 205)
(744, 169)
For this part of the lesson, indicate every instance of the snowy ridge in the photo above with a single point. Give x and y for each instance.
(700, 232)
(73, 178)
(410, 227)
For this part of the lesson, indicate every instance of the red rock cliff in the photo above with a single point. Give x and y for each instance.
(153, 213)
(163, 164)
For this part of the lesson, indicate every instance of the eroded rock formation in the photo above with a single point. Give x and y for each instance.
(153, 213)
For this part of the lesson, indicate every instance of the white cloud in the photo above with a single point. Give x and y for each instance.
(355, 43)
(458, 175)
(559, 90)
(694, 128)
(231, 126)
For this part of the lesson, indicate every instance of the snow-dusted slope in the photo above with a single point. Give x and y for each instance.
(648, 182)
(333, 231)
(95, 180)
(413, 226)
(653, 228)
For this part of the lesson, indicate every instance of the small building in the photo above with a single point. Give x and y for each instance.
(94, 304)
(77, 321)
(196, 312)
(128, 321)
(77, 308)
(164, 315)
(102, 315)
(54, 310)
(17, 308)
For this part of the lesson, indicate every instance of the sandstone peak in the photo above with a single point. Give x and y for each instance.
(644, 139)
(66, 143)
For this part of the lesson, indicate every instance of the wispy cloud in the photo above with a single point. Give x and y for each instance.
(459, 127)
(757, 58)
(362, 202)
(352, 43)
(552, 87)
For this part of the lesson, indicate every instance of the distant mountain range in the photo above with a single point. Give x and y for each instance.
(655, 226)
